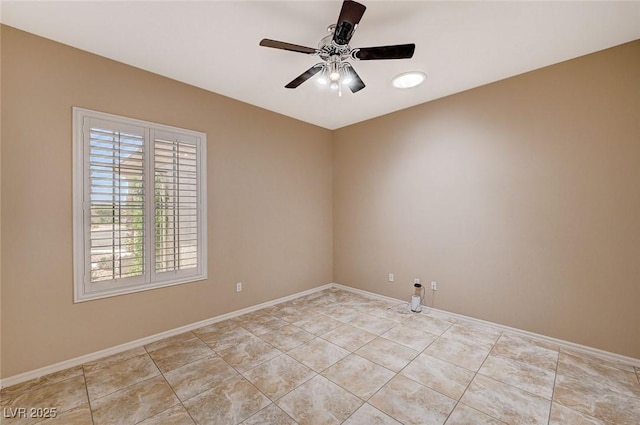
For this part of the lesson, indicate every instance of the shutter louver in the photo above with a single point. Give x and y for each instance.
(176, 205)
(117, 207)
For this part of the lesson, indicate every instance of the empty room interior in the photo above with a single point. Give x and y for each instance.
(437, 222)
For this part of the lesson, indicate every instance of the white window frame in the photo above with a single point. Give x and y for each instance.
(83, 290)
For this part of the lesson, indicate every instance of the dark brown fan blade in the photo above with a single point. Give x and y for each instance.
(304, 76)
(356, 84)
(350, 16)
(399, 51)
(287, 46)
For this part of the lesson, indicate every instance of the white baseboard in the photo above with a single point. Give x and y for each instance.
(37, 373)
(559, 342)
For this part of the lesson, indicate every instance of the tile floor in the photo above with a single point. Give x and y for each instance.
(335, 357)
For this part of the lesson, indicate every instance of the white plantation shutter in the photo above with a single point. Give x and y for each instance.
(139, 205)
(116, 200)
(176, 203)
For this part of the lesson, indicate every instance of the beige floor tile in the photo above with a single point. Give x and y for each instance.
(270, 415)
(197, 377)
(513, 384)
(461, 353)
(279, 307)
(439, 375)
(581, 366)
(63, 396)
(253, 316)
(319, 402)
(465, 415)
(116, 376)
(505, 402)
(596, 362)
(172, 340)
(536, 380)
(291, 313)
(527, 351)
(359, 376)
(318, 324)
(584, 362)
(387, 353)
(473, 334)
(318, 354)
(369, 415)
(380, 304)
(176, 355)
(263, 324)
(176, 415)
(272, 309)
(340, 312)
(374, 324)
(410, 337)
(226, 338)
(305, 299)
(116, 358)
(15, 390)
(135, 403)
(316, 302)
(279, 375)
(231, 402)
(78, 416)
(398, 313)
(291, 304)
(561, 415)
(593, 398)
(426, 323)
(214, 328)
(412, 403)
(249, 354)
(349, 337)
(359, 302)
(287, 337)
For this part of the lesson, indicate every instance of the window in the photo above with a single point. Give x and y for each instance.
(139, 192)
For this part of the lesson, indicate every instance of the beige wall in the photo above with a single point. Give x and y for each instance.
(521, 198)
(269, 202)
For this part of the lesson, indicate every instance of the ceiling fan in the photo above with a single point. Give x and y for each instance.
(335, 51)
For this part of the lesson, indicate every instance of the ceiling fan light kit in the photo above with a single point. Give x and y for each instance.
(335, 52)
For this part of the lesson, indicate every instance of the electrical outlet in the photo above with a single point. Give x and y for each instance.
(239, 287)
(416, 280)
(434, 285)
(391, 277)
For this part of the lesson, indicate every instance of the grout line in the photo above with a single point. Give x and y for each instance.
(86, 389)
(174, 393)
(471, 381)
(265, 408)
(553, 390)
(403, 346)
(59, 412)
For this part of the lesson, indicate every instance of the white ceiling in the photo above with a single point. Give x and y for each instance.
(214, 44)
